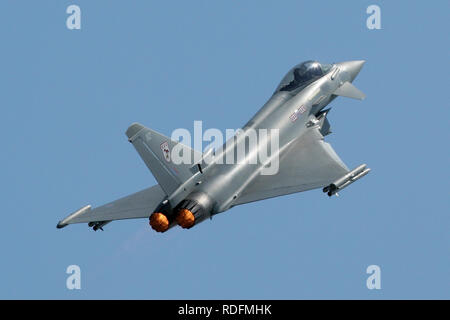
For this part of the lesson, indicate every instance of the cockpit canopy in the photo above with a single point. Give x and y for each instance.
(302, 75)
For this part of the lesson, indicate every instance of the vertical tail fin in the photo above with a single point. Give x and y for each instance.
(156, 149)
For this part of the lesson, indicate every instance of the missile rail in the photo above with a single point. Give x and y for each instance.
(346, 180)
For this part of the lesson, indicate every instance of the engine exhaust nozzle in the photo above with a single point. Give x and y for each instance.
(194, 209)
(185, 218)
(159, 222)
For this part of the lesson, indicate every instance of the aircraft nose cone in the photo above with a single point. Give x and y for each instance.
(353, 67)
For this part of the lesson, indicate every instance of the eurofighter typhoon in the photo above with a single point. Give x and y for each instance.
(188, 192)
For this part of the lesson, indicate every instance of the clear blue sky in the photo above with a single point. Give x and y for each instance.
(67, 98)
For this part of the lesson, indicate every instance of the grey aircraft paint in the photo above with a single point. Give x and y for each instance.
(202, 189)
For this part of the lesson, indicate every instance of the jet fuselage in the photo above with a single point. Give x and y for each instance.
(290, 113)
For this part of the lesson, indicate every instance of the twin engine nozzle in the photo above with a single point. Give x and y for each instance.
(194, 209)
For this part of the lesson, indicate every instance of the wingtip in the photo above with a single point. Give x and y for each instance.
(61, 225)
(69, 219)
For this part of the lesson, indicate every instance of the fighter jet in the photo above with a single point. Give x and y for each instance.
(189, 192)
